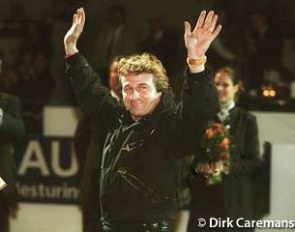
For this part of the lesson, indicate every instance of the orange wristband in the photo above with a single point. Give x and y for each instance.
(196, 61)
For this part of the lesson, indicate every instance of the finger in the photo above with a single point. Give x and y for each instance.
(74, 19)
(201, 20)
(213, 23)
(216, 169)
(216, 32)
(213, 165)
(83, 17)
(208, 19)
(199, 167)
(207, 168)
(80, 15)
(78, 12)
(187, 28)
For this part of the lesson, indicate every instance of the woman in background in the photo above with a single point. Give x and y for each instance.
(232, 197)
(88, 140)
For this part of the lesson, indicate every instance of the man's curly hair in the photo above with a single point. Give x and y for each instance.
(145, 63)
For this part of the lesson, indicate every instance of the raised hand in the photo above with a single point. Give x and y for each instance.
(72, 36)
(198, 41)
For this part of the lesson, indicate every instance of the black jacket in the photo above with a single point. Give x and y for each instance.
(11, 129)
(139, 169)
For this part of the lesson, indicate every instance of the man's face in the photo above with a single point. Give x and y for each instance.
(140, 96)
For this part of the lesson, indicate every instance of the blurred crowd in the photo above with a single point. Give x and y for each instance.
(258, 40)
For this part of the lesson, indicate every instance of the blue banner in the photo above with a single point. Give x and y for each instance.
(47, 170)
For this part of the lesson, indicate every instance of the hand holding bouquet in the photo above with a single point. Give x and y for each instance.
(214, 158)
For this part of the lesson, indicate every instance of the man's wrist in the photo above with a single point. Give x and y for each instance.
(70, 49)
(196, 64)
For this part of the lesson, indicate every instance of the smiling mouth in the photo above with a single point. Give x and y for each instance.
(136, 107)
(135, 103)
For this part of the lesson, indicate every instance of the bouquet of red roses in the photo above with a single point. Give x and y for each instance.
(214, 157)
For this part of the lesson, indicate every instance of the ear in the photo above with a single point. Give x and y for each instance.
(236, 88)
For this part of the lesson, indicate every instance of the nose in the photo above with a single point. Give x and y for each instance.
(135, 95)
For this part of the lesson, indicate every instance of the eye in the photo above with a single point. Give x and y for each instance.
(143, 87)
(127, 89)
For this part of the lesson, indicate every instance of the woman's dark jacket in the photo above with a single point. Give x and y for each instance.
(232, 198)
(139, 167)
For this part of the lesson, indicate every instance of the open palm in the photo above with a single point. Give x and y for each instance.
(73, 34)
(198, 41)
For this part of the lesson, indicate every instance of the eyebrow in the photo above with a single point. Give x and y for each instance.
(140, 84)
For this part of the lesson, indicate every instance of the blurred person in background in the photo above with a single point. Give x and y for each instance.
(115, 38)
(165, 42)
(34, 87)
(11, 129)
(265, 48)
(88, 141)
(8, 77)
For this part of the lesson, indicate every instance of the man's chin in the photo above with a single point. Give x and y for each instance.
(136, 114)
